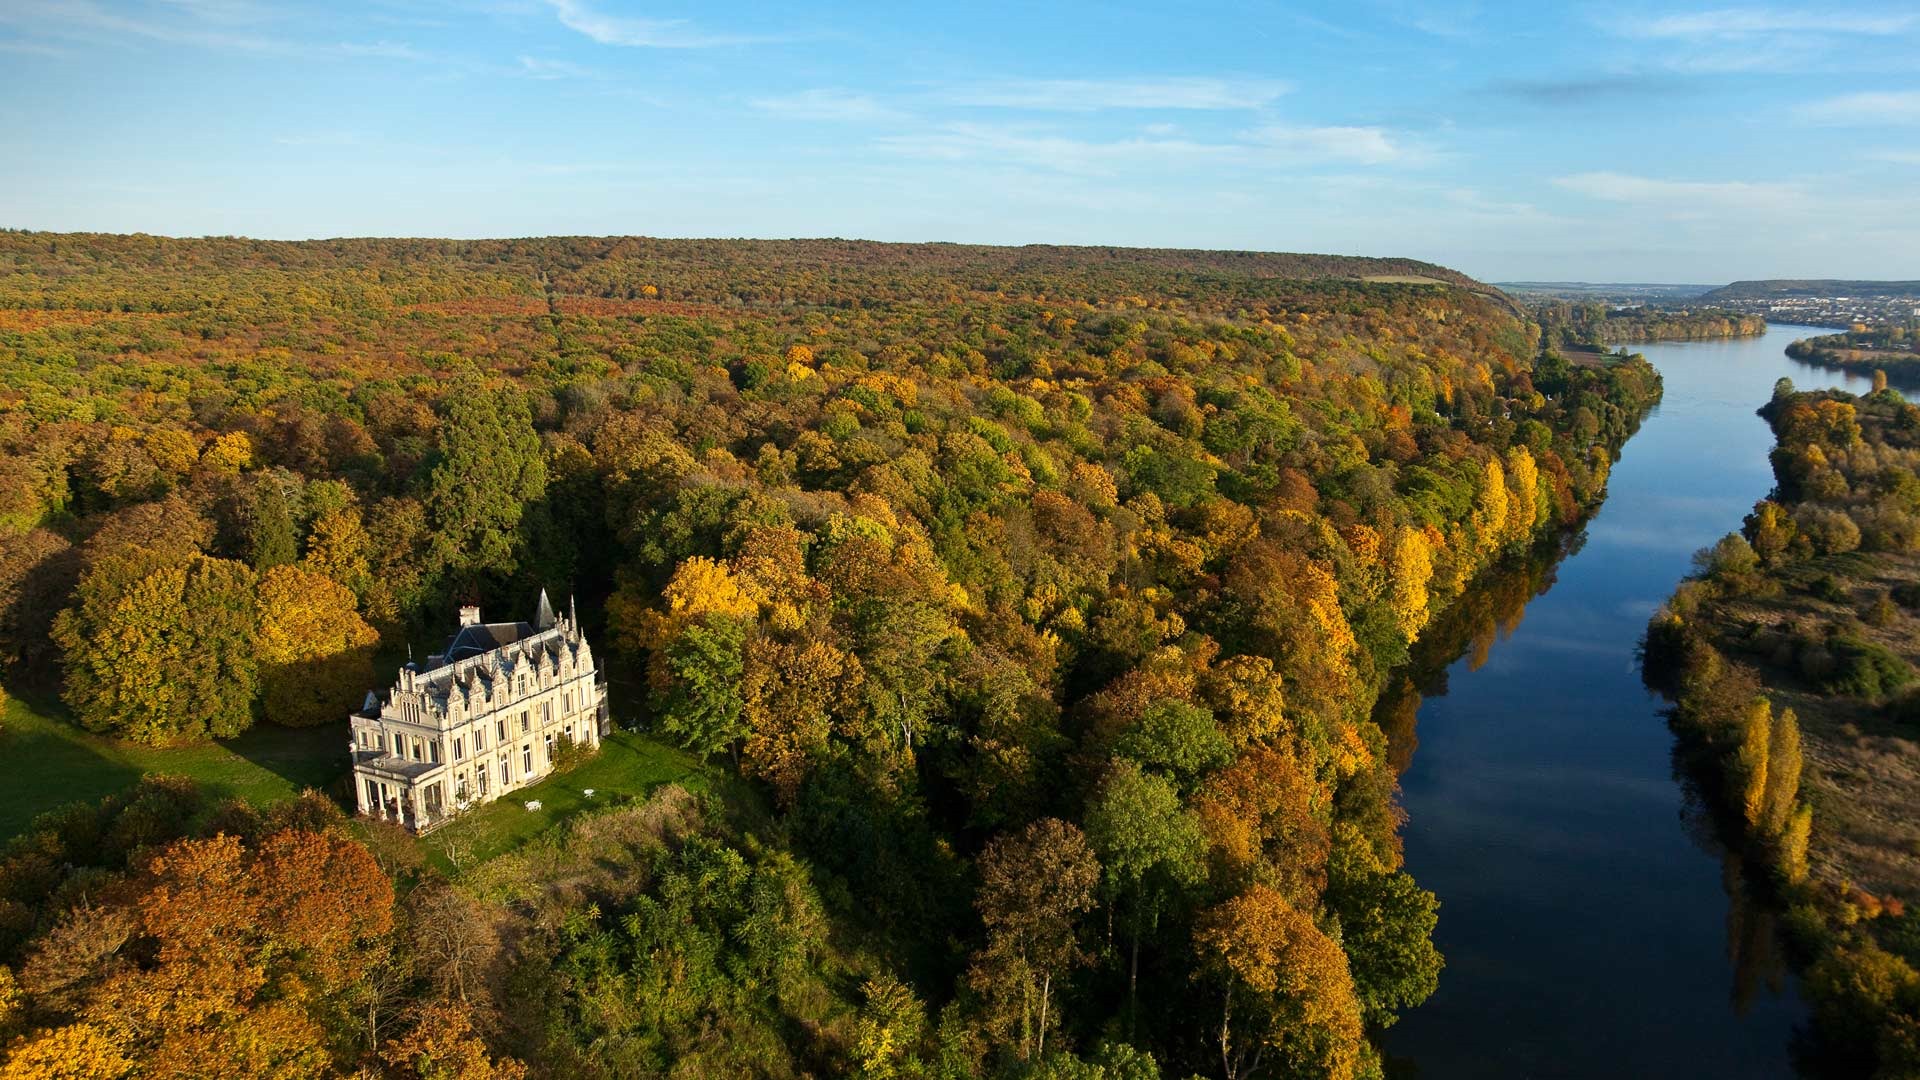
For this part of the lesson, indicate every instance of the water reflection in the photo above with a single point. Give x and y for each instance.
(1594, 923)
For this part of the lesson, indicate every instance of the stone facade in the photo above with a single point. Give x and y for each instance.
(480, 719)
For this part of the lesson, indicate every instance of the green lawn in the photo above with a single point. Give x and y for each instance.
(626, 764)
(53, 762)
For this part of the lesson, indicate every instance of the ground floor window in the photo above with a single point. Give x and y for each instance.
(526, 758)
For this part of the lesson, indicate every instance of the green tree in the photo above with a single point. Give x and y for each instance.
(162, 651)
(1149, 848)
(701, 707)
(1177, 739)
(272, 538)
(490, 466)
(1386, 925)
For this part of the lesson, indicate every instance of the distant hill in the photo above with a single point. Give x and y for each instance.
(1641, 292)
(1786, 288)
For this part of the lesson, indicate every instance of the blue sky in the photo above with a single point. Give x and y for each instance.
(1600, 142)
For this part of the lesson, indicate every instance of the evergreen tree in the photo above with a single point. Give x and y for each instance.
(488, 469)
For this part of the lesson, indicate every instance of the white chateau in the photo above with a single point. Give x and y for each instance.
(485, 716)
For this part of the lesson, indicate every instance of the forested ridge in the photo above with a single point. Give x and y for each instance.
(1790, 656)
(1888, 348)
(1590, 325)
(1029, 605)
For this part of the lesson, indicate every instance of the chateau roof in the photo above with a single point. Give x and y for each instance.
(480, 653)
(479, 638)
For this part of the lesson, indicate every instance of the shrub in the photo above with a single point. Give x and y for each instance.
(1864, 669)
(1830, 531)
(1882, 611)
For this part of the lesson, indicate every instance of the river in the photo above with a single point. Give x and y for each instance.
(1592, 923)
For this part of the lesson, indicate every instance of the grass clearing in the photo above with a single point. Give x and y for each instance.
(56, 762)
(627, 765)
(269, 764)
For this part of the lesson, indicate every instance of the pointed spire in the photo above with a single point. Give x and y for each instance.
(573, 616)
(544, 619)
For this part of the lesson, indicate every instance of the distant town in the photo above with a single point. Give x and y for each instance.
(1838, 304)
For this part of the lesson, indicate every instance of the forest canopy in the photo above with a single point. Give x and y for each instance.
(1038, 598)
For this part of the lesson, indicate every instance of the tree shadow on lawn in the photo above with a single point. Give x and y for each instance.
(52, 763)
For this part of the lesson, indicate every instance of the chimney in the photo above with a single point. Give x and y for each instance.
(470, 615)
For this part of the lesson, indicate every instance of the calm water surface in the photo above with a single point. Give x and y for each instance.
(1593, 926)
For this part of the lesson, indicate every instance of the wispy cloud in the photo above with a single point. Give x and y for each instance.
(1735, 23)
(1270, 147)
(636, 32)
(233, 26)
(534, 67)
(1869, 107)
(1897, 157)
(1352, 145)
(1749, 39)
(826, 104)
(1585, 90)
(30, 48)
(1683, 195)
(1087, 95)
(213, 28)
(1001, 145)
(381, 50)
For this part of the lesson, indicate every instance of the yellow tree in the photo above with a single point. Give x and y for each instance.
(316, 652)
(337, 548)
(1410, 565)
(1525, 507)
(1783, 774)
(792, 694)
(1490, 510)
(443, 1045)
(72, 1052)
(1285, 984)
(1750, 760)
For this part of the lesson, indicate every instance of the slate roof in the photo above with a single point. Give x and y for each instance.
(480, 638)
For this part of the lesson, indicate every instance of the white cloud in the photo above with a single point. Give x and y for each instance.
(637, 32)
(825, 104)
(30, 48)
(1897, 157)
(1748, 39)
(1270, 147)
(1682, 195)
(1087, 95)
(999, 145)
(1731, 23)
(534, 67)
(1871, 107)
(1355, 145)
(218, 25)
(382, 50)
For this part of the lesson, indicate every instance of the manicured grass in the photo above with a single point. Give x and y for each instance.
(52, 762)
(627, 764)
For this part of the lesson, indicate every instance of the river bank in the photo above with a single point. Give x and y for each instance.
(1588, 904)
